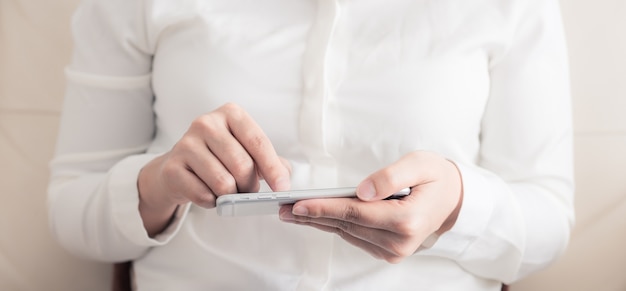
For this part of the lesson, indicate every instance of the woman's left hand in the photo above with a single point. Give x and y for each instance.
(390, 229)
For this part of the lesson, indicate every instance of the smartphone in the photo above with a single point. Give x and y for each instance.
(265, 203)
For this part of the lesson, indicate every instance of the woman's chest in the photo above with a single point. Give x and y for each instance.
(342, 69)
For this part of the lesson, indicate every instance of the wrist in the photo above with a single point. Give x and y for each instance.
(156, 207)
(456, 183)
(151, 192)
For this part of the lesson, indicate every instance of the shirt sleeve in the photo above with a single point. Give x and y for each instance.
(106, 127)
(517, 210)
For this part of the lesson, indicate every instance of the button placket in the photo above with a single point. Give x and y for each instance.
(313, 118)
(318, 92)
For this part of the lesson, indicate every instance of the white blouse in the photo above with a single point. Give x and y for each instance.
(342, 88)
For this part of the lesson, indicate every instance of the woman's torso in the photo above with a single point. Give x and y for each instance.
(342, 88)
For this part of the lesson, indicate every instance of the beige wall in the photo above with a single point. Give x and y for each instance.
(596, 258)
(35, 45)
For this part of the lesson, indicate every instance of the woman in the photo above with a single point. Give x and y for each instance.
(171, 104)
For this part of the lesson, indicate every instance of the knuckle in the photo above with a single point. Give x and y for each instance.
(204, 124)
(256, 141)
(224, 184)
(409, 224)
(402, 249)
(185, 144)
(170, 171)
(232, 110)
(417, 155)
(406, 227)
(242, 164)
(229, 107)
(344, 226)
(351, 213)
(200, 122)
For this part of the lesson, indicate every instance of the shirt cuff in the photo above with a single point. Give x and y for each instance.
(476, 211)
(124, 198)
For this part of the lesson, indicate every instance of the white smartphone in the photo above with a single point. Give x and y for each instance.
(264, 203)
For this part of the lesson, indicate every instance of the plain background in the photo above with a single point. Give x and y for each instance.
(35, 45)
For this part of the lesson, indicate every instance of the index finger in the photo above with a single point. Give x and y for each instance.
(384, 214)
(259, 147)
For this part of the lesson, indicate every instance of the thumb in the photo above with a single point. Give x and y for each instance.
(367, 191)
(411, 170)
(401, 174)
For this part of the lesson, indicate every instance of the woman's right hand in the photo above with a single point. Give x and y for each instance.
(222, 152)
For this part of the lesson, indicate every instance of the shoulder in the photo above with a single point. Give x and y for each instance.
(109, 13)
(110, 35)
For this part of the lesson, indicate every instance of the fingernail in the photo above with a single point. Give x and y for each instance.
(300, 210)
(366, 191)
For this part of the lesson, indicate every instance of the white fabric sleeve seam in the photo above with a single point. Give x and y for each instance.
(108, 82)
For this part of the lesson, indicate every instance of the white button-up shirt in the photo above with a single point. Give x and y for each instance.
(342, 88)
